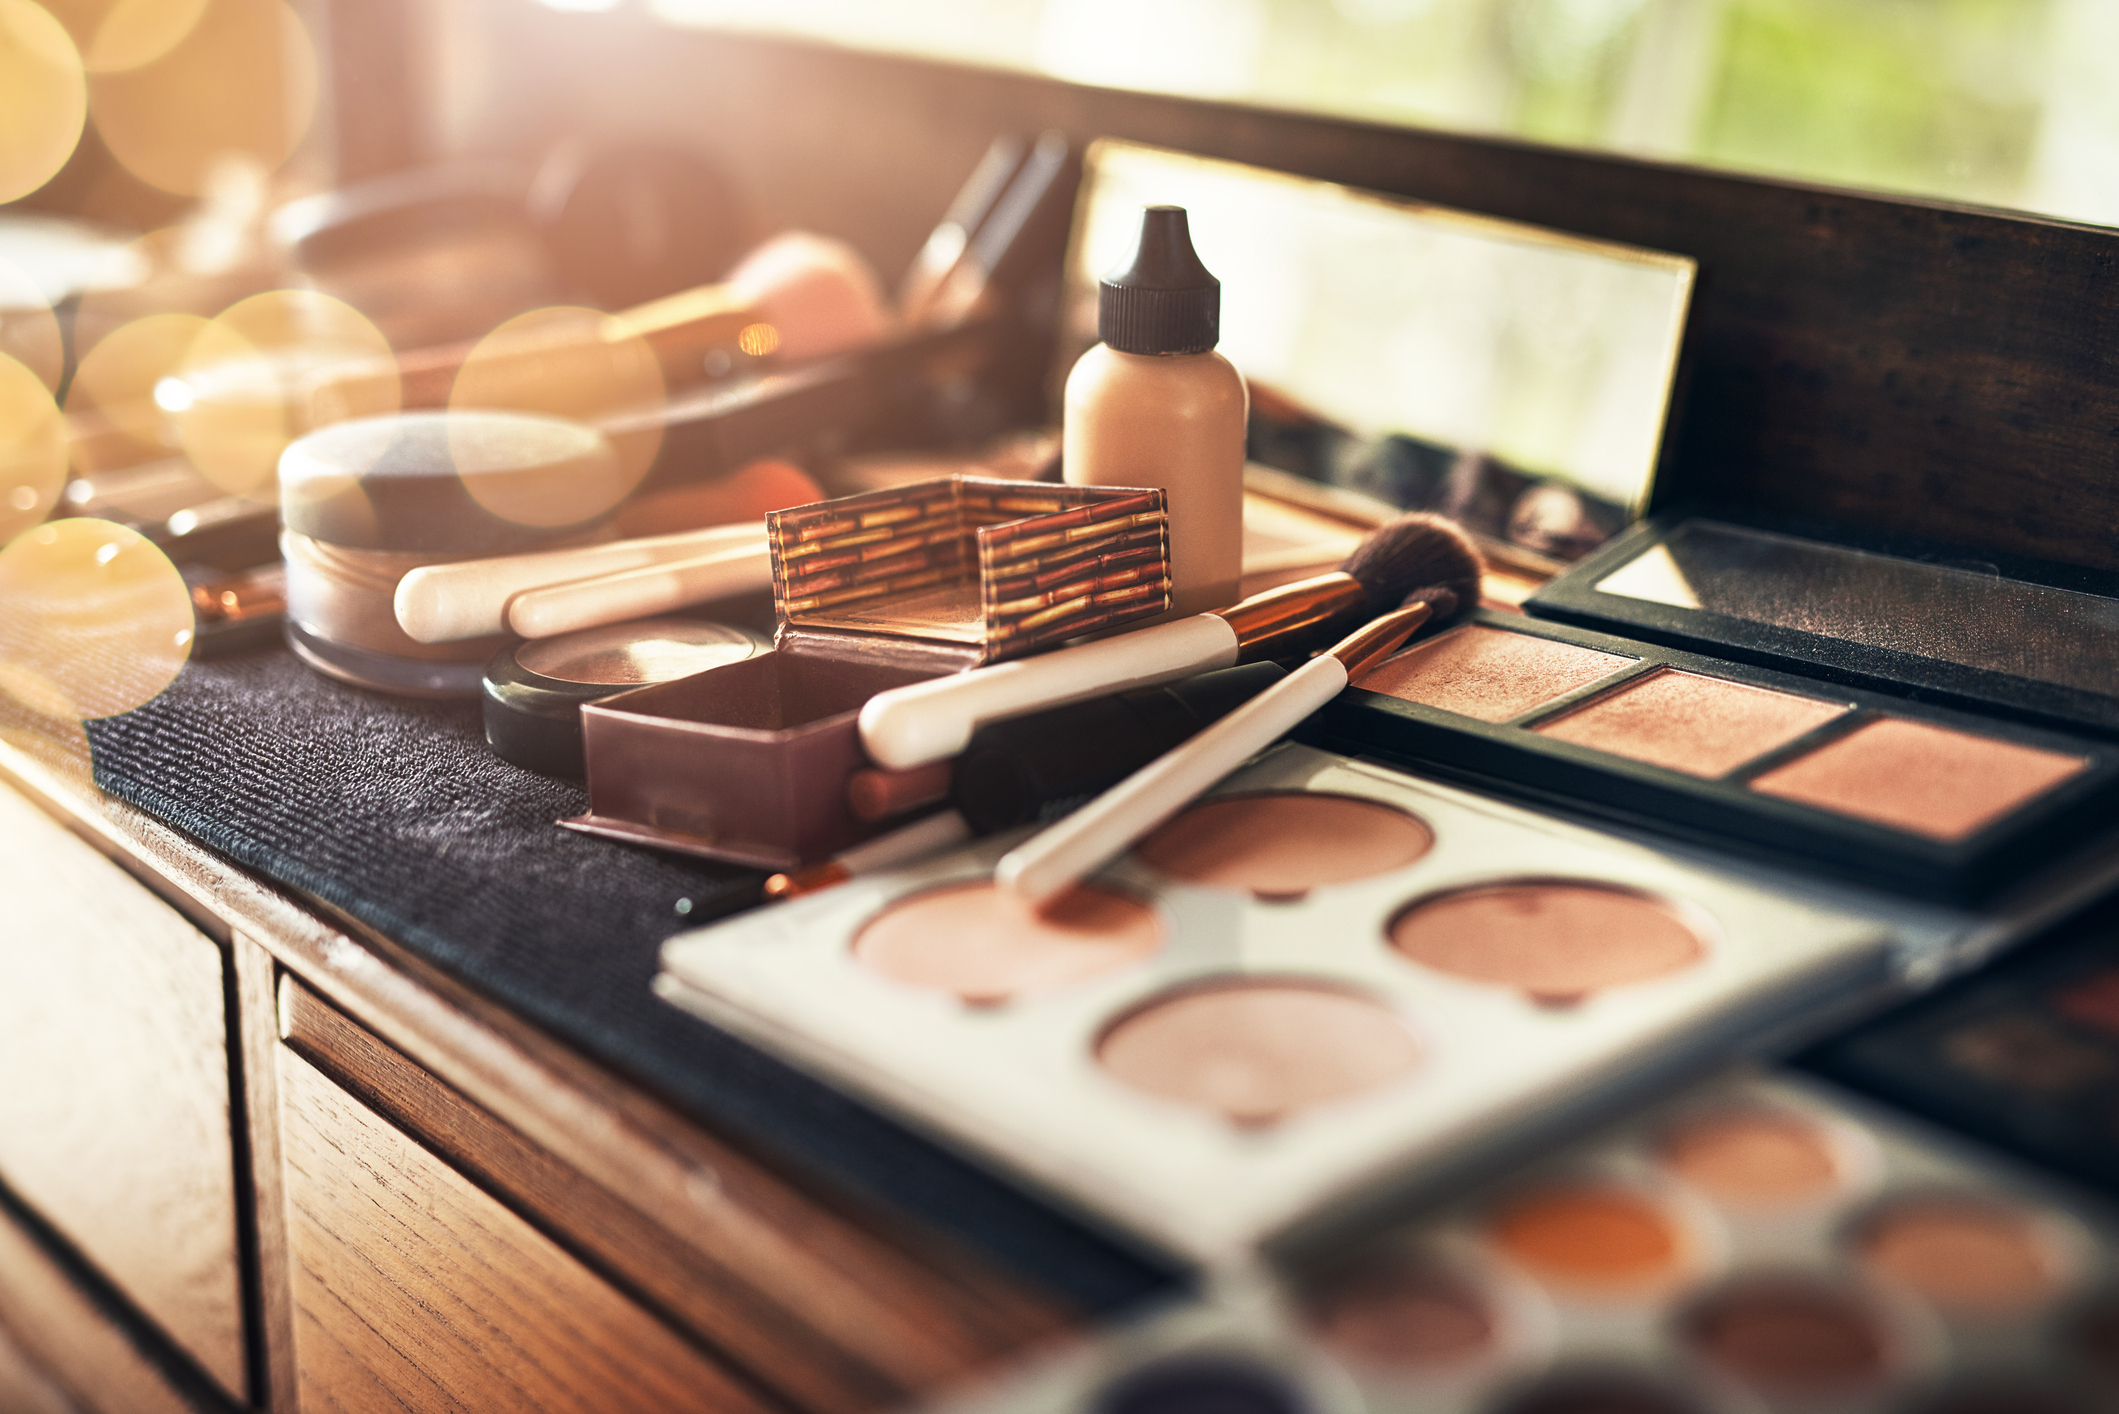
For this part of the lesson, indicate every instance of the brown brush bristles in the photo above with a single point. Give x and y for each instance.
(1414, 551)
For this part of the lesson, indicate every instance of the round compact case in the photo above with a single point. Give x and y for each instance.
(534, 690)
(363, 503)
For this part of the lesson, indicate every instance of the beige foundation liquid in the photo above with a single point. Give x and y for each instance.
(1155, 405)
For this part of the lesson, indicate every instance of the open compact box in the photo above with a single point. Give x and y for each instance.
(749, 762)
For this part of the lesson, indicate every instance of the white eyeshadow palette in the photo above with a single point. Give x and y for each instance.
(1326, 982)
(1759, 1245)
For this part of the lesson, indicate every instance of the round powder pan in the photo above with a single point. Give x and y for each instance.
(985, 946)
(1792, 1336)
(1258, 1049)
(534, 690)
(1279, 845)
(1422, 1311)
(1972, 1256)
(1757, 1156)
(1601, 1239)
(1557, 941)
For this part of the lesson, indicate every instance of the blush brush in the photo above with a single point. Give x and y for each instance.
(933, 720)
(1054, 860)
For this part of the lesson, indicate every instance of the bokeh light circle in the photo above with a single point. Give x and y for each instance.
(553, 361)
(115, 35)
(29, 330)
(94, 613)
(242, 77)
(116, 379)
(43, 98)
(32, 450)
(241, 394)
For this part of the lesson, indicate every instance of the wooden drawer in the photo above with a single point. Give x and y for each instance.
(115, 1103)
(415, 1290)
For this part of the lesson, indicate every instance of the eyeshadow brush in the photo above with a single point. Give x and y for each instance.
(932, 721)
(1054, 860)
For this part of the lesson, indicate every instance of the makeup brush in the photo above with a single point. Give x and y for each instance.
(931, 721)
(1049, 863)
(469, 598)
(637, 593)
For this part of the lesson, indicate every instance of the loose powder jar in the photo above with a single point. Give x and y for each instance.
(365, 502)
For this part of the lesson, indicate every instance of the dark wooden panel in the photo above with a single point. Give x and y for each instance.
(413, 1290)
(708, 1288)
(72, 1338)
(1899, 364)
(114, 1121)
(257, 1051)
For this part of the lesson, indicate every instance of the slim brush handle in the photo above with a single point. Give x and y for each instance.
(469, 599)
(1056, 859)
(932, 721)
(633, 594)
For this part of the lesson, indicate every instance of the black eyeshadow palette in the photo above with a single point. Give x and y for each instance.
(2033, 640)
(1863, 785)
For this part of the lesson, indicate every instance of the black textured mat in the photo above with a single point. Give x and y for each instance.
(394, 812)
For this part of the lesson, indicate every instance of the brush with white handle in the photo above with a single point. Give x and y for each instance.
(639, 593)
(1054, 860)
(469, 599)
(932, 721)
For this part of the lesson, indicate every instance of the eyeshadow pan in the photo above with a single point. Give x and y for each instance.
(2092, 1002)
(2020, 1051)
(1700, 725)
(985, 945)
(1922, 779)
(1967, 1254)
(1257, 1050)
(1753, 1157)
(1401, 1311)
(1490, 674)
(1282, 844)
(1593, 1238)
(1793, 1336)
(1556, 940)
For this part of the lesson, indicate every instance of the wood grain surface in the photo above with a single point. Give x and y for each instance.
(257, 1055)
(414, 1291)
(79, 1345)
(114, 1118)
(853, 1280)
(898, 1352)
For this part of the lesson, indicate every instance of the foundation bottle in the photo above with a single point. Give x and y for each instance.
(1155, 405)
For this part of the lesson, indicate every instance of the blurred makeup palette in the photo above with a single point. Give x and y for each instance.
(1761, 1243)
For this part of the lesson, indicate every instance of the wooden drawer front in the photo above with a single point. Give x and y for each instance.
(414, 1290)
(60, 1329)
(114, 1083)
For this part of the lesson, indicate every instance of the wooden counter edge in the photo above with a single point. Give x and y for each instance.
(908, 1304)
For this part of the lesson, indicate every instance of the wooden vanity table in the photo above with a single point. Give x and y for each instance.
(254, 1155)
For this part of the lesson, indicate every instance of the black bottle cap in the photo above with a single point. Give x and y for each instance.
(1165, 302)
(1041, 766)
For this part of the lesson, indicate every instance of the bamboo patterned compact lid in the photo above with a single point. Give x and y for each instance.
(1006, 567)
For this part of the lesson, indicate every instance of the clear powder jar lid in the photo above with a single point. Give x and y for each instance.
(473, 482)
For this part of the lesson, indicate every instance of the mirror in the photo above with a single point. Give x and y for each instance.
(1514, 377)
